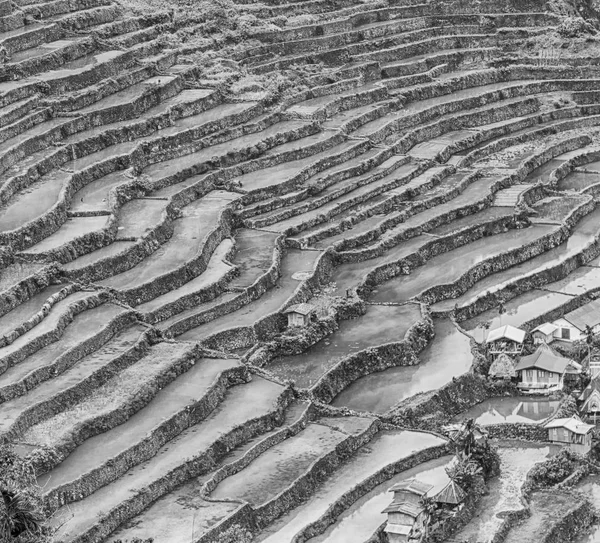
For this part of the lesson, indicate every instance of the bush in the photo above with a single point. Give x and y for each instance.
(22, 518)
(574, 27)
(235, 534)
(556, 469)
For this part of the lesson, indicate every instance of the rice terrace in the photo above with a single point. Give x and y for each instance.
(288, 271)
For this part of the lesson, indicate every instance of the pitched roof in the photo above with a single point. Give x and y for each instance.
(547, 328)
(573, 424)
(401, 506)
(451, 493)
(508, 332)
(588, 314)
(413, 486)
(303, 309)
(593, 385)
(400, 529)
(544, 358)
(503, 366)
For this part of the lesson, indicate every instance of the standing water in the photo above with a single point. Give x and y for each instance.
(360, 521)
(516, 459)
(510, 410)
(447, 356)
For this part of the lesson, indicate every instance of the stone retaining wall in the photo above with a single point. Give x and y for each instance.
(195, 467)
(353, 366)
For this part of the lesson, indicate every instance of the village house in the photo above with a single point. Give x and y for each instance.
(574, 433)
(544, 333)
(591, 399)
(506, 339)
(544, 371)
(571, 327)
(299, 314)
(406, 514)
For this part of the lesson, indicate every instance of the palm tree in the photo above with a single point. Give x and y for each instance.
(21, 518)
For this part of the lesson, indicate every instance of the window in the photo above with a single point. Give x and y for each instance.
(565, 333)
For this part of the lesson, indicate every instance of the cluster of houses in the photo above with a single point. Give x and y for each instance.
(545, 371)
(408, 516)
(542, 372)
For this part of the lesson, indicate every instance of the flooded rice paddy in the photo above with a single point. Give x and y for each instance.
(447, 356)
(510, 410)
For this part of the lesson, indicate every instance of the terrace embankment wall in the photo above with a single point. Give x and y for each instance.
(356, 365)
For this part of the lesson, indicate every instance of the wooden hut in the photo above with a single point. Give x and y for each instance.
(451, 495)
(299, 314)
(544, 371)
(574, 433)
(506, 339)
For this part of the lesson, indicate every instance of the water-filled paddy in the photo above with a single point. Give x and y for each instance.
(362, 519)
(380, 325)
(447, 356)
(511, 409)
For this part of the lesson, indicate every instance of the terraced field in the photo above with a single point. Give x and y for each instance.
(154, 229)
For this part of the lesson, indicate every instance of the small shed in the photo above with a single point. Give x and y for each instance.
(451, 495)
(406, 514)
(574, 433)
(572, 326)
(502, 367)
(299, 314)
(544, 333)
(506, 339)
(544, 370)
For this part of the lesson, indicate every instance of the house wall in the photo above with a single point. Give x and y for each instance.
(573, 332)
(295, 319)
(540, 377)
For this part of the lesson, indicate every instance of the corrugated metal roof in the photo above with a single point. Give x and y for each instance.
(547, 328)
(400, 529)
(400, 506)
(302, 309)
(544, 358)
(413, 486)
(508, 332)
(573, 424)
(588, 314)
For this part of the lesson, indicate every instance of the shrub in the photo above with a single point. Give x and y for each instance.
(22, 518)
(556, 469)
(574, 27)
(235, 534)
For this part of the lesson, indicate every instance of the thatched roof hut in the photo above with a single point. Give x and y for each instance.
(451, 494)
(502, 368)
